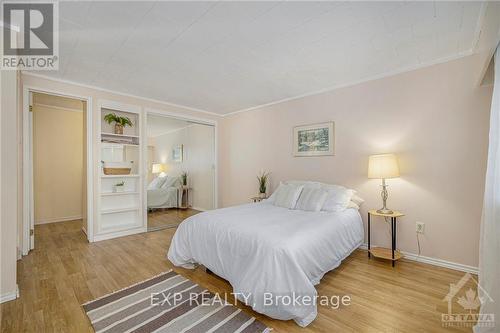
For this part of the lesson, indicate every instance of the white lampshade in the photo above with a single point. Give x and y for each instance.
(159, 168)
(383, 166)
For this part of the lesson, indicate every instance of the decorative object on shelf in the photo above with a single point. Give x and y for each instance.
(159, 168)
(178, 154)
(119, 187)
(262, 178)
(383, 166)
(117, 168)
(184, 178)
(314, 140)
(381, 252)
(120, 122)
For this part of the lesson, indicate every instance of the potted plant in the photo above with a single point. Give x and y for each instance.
(262, 178)
(119, 187)
(120, 122)
(184, 178)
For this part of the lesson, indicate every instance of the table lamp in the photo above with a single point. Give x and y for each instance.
(383, 166)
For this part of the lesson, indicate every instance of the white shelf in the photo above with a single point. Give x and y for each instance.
(119, 193)
(119, 135)
(119, 210)
(120, 213)
(119, 144)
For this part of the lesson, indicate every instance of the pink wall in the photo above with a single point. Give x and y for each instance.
(435, 119)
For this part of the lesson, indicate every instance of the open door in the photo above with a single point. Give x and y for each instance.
(56, 128)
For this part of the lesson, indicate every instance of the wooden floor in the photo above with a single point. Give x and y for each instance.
(65, 271)
(168, 218)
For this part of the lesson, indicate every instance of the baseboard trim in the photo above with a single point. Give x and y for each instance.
(435, 261)
(59, 219)
(199, 209)
(10, 296)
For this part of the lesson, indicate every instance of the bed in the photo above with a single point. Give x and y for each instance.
(163, 193)
(265, 251)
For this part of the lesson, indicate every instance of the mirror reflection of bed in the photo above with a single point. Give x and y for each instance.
(181, 170)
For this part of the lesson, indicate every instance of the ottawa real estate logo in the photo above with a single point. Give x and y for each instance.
(464, 301)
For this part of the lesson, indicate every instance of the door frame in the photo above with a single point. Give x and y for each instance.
(193, 119)
(27, 166)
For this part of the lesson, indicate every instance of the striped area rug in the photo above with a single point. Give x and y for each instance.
(168, 303)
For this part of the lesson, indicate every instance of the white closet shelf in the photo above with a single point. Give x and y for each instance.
(119, 135)
(119, 176)
(119, 210)
(119, 193)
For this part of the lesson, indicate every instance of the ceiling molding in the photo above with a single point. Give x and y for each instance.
(88, 86)
(353, 83)
(254, 108)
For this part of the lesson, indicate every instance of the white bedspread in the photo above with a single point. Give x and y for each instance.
(260, 248)
(162, 197)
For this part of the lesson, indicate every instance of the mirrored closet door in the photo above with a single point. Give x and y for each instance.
(180, 170)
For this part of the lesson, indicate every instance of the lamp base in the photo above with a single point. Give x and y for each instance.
(384, 211)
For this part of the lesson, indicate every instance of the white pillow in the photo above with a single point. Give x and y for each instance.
(287, 196)
(338, 198)
(311, 199)
(156, 183)
(272, 197)
(306, 184)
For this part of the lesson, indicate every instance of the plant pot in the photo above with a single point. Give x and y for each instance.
(262, 195)
(118, 129)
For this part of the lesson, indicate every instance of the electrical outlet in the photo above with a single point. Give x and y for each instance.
(420, 227)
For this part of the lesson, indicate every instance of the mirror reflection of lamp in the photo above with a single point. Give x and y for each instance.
(159, 168)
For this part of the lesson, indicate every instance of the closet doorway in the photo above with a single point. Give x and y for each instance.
(181, 169)
(57, 177)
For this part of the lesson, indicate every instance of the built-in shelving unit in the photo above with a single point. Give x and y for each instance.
(120, 209)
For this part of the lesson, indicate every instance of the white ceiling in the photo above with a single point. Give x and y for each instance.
(227, 56)
(159, 125)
